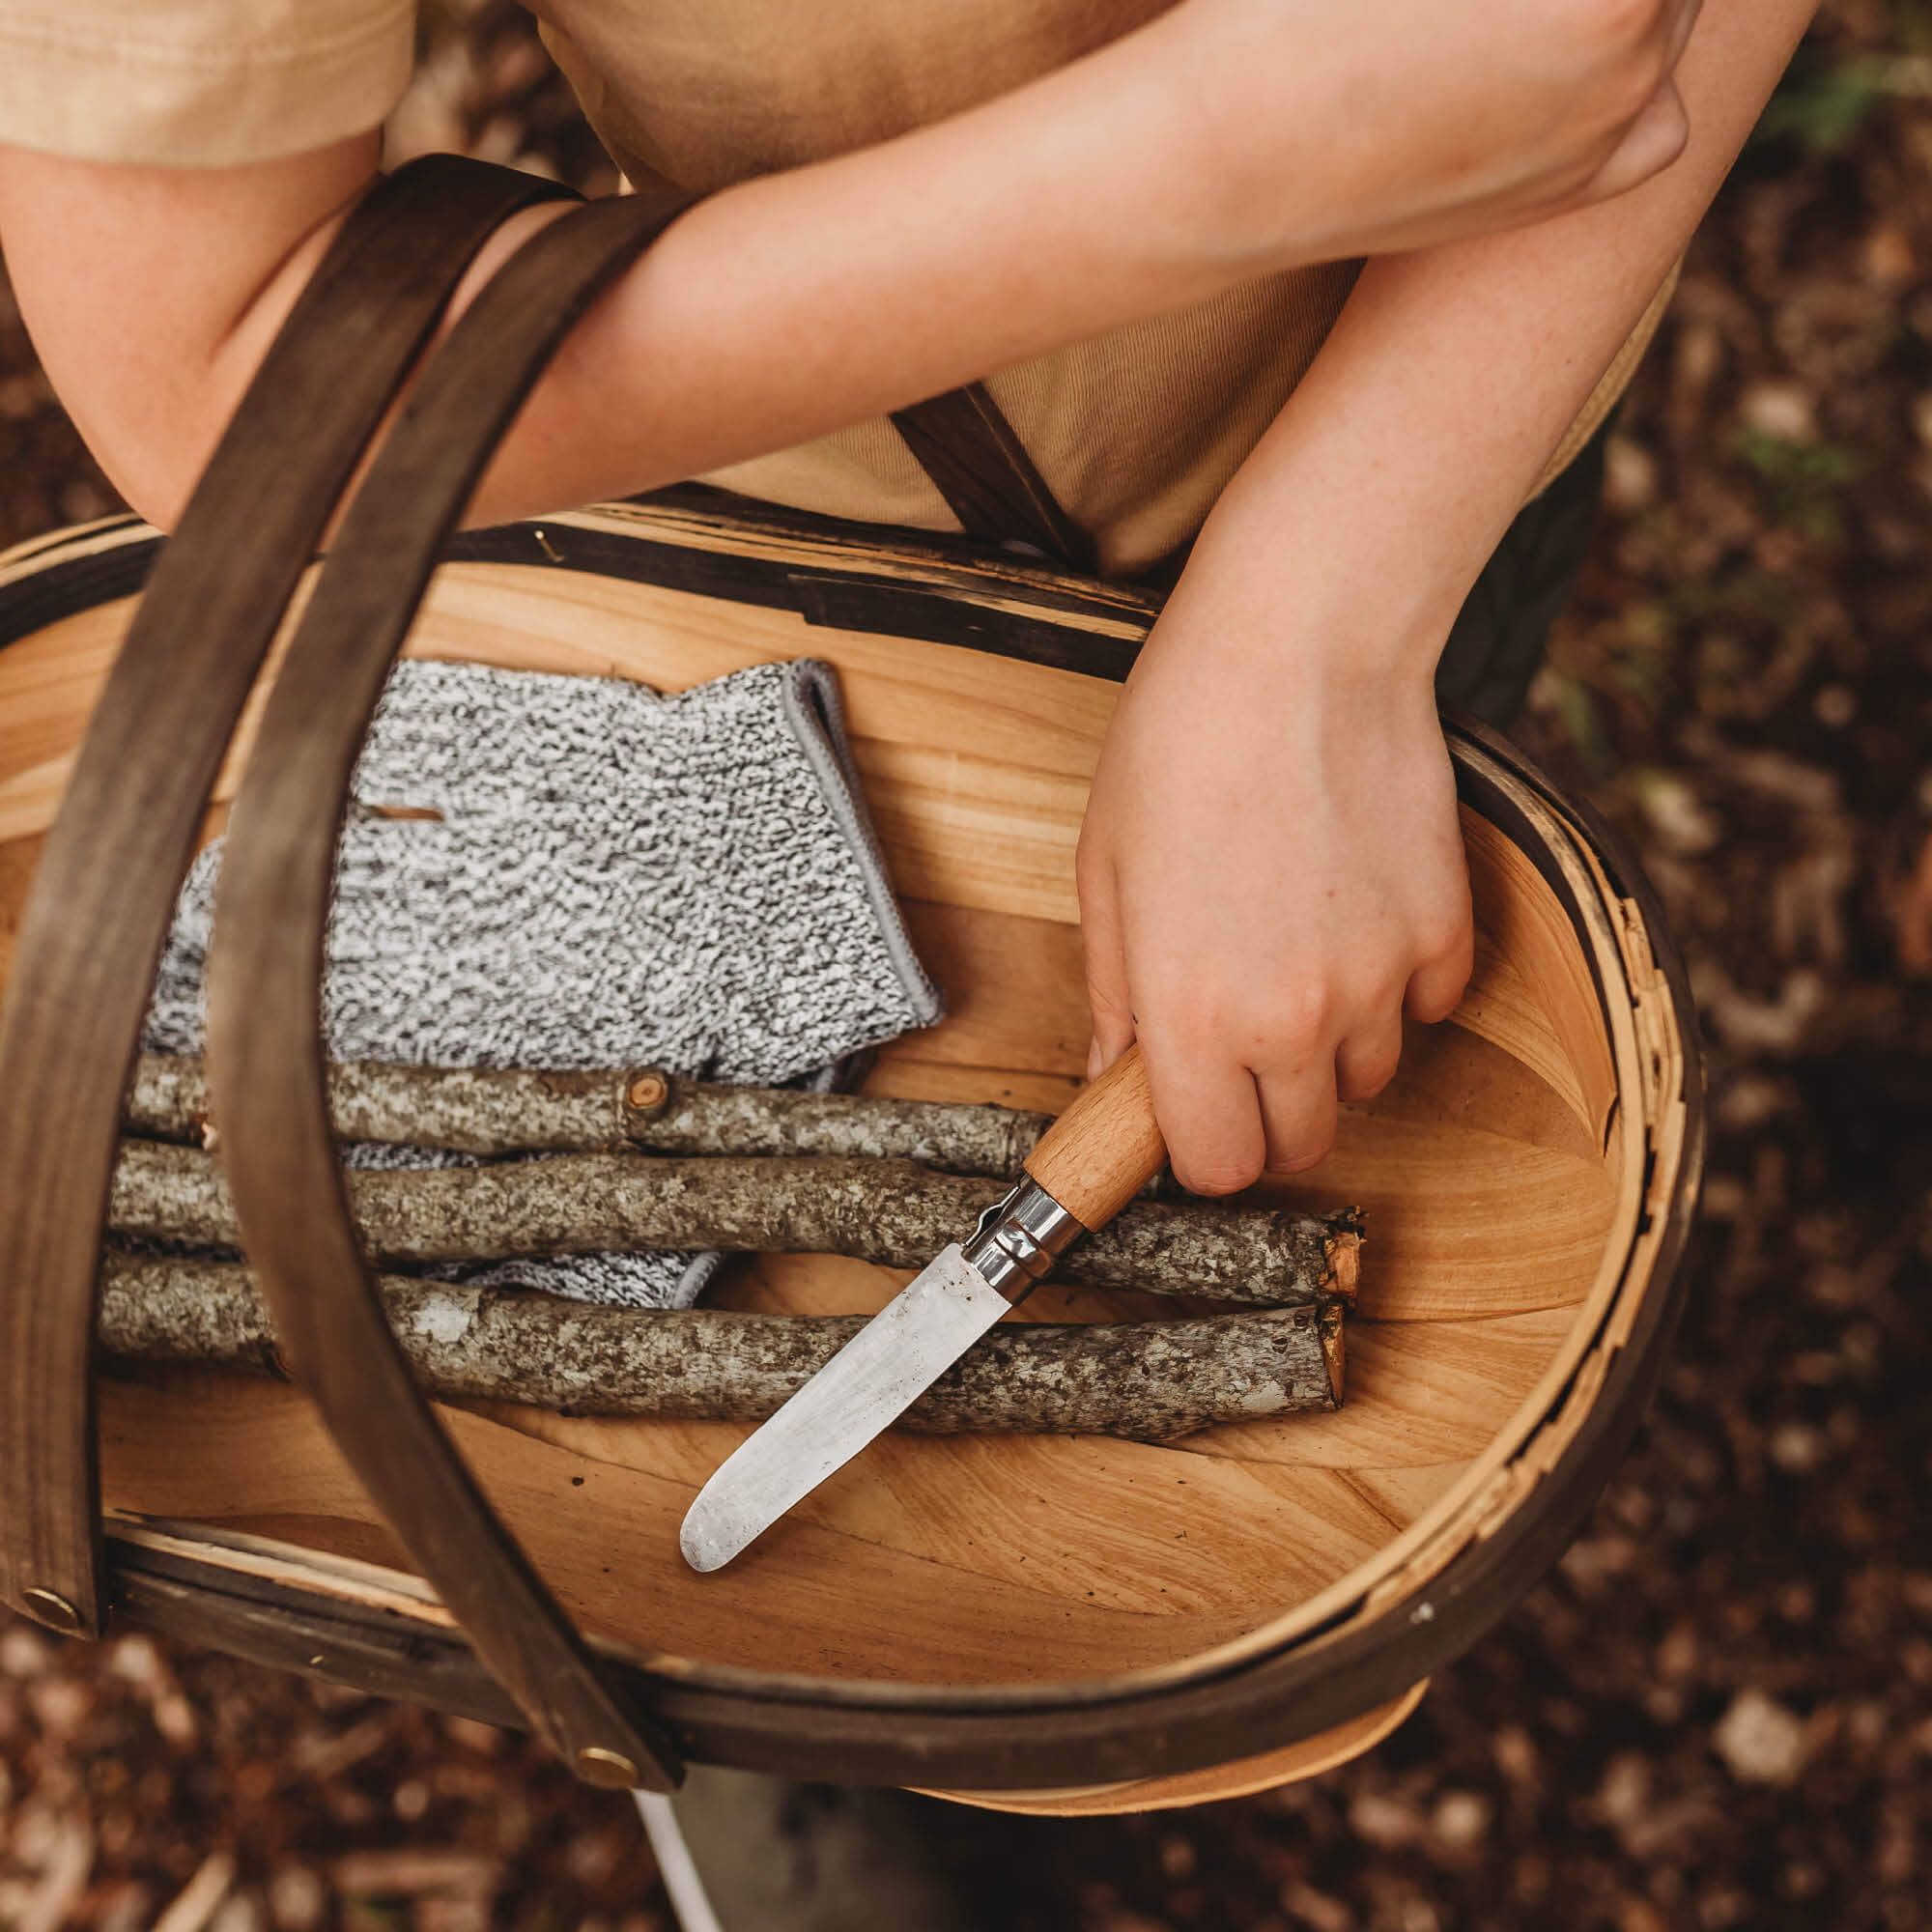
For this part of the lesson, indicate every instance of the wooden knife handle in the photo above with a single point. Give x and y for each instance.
(1105, 1147)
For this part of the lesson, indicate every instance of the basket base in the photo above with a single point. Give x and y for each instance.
(1242, 1777)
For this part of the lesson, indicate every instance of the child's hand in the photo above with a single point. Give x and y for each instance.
(1271, 872)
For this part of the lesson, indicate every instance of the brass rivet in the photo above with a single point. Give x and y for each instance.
(649, 1090)
(610, 1770)
(210, 1137)
(52, 1609)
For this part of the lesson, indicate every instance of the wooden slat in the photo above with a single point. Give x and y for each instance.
(1421, 1396)
(827, 1602)
(1092, 1521)
(1534, 994)
(17, 861)
(49, 684)
(1239, 1779)
(937, 696)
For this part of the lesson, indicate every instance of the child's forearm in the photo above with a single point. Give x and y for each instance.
(1271, 868)
(1453, 372)
(1225, 140)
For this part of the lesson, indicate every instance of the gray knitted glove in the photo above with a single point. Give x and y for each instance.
(615, 878)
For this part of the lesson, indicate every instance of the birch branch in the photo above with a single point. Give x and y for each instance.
(891, 1211)
(1153, 1380)
(496, 1112)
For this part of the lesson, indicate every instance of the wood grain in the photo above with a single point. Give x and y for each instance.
(1105, 1146)
(841, 1602)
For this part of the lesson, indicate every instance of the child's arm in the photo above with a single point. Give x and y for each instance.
(1271, 862)
(1225, 140)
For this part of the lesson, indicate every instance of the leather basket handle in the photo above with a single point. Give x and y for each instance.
(105, 892)
(266, 1054)
(975, 460)
(91, 929)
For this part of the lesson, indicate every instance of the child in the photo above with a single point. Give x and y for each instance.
(1125, 212)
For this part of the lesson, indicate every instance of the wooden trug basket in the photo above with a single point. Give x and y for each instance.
(1049, 1623)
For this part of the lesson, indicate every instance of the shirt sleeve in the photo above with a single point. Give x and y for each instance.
(198, 83)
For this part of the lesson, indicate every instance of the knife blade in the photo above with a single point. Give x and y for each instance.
(1094, 1159)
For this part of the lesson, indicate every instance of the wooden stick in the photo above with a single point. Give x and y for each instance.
(891, 1211)
(497, 1112)
(1151, 1381)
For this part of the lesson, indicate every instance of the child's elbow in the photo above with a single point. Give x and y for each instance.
(151, 437)
(1624, 48)
(156, 487)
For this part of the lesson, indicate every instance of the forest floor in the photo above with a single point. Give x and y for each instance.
(1717, 1711)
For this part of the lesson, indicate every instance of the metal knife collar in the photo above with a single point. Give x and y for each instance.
(1020, 1237)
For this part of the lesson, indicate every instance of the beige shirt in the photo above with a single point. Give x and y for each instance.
(1136, 432)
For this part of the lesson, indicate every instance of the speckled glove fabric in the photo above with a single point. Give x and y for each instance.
(613, 877)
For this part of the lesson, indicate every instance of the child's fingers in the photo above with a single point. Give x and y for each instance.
(1209, 1116)
(1105, 952)
(1366, 1062)
(1435, 989)
(1299, 1113)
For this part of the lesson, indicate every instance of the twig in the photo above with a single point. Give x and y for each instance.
(891, 1211)
(65, 1867)
(1148, 1379)
(202, 1896)
(497, 1112)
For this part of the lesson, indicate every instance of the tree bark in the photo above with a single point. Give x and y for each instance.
(891, 1211)
(1151, 1381)
(487, 1112)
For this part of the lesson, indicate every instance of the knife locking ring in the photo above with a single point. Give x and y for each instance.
(1020, 1237)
